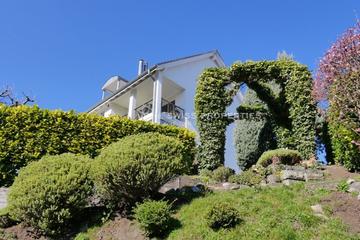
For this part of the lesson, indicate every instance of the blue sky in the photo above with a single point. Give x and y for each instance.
(62, 51)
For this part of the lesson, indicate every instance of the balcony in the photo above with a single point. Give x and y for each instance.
(170, 113)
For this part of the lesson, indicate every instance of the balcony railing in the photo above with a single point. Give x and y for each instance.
(170, 108)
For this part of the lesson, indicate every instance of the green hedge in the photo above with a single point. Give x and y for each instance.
(28, 133)
(344, 151)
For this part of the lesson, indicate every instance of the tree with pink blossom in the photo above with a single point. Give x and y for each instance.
(337, 81)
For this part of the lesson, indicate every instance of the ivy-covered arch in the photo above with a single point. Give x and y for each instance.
(292, 108)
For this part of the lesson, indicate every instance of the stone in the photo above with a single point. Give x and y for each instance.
(292, 174)
(226, 184)
(196, 189)
(272, 179)
(313, 175)
(295, 168)
(354, 187)
(288, 182)
(263, 183)
(318, 211)
(350, 181)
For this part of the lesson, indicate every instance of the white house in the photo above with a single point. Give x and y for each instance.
(163, 93)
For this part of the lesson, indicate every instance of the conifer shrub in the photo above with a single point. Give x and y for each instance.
(222, 174)
(48, 194)
(135, 167)
(222, 215)
(154, 217)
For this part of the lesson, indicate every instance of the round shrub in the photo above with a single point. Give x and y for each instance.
(49, 193)
(222, 215)
(279, 156)
(135, 167)
(222, 174)
(154, 217)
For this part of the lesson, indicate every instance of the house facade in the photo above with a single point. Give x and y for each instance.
(163, 93)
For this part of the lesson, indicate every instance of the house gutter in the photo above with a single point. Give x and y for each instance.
(134, 83)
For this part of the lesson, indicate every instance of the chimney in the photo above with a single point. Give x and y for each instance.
(142, 67)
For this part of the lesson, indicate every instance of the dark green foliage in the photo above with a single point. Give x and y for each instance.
(135, 167)
(211, 100)
(252, 135)
(222, 174)
(28, 133)
(222, 215)
(49, 193)
(292, 109)
(154, 217)
(279, 156)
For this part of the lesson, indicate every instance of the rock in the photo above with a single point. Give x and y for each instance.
(354, 187)
(318, 211)
(350, 181)
(295, 168)
(288, 182)
(235, 187)
(263, 183)
(358, 197)
(226, 184)
(272, 179)
(292, 174)
(311, 175)
(196, 189)
(231, 186)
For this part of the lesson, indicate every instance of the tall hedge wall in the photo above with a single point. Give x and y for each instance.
(28, 133)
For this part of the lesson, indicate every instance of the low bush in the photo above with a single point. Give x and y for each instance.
(5, 219)
(154, 217)
(279, 156)
(135, 167)
(247, 177)
(50, 193)
(222, 215)
(28, 133)
(222, 174)
(343, 186)
(205, 175)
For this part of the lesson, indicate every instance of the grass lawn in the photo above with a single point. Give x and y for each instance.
(270, 213)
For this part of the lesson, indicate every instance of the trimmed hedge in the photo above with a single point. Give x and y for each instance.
(135, 167)
(28, 133)
(284, 156)
(49, 194)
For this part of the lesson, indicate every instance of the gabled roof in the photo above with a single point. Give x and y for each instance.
(212, 54)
